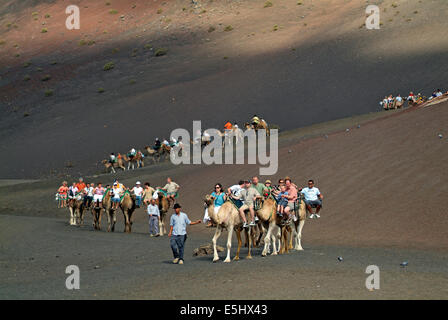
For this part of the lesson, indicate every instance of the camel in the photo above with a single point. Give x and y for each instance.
(118, 164)
(397, 104)
(136, 161)
(76, 208)
(228, 218)
(268, 217)
(153, 153)
(263, 125)
(127, 205)
(294, 228)
(110, 213)
(164, 206)
(96, 215)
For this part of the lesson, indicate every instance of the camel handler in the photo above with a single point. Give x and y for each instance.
(178, 233)
(154, 215)
(171, 189)
(248, 196)
(117, 191)
(292, 197)
(313, 198)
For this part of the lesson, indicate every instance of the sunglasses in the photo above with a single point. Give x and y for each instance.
(217, 187)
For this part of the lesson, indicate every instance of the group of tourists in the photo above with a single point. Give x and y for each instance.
(93, 194)
(246, 196)
(391, 102)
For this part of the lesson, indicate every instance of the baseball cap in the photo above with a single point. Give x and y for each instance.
(138, 182)
(268, 181)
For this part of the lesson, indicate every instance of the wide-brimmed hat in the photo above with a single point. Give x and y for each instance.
(138, 182)
(268, 181)
(176, 206)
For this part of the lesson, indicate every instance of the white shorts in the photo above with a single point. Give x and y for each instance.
(97, 197)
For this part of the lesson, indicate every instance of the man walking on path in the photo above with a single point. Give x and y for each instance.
(178, 233)
(154, 214)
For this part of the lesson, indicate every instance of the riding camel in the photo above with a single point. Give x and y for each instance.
(97, 211)
(153, 153)
(118, 164)
(228, 218)
(164, 206)
(110, 213)
(397, 104)
(262, 125)
(136, 161)
(76, 208)
(127, 205)
(294, 228)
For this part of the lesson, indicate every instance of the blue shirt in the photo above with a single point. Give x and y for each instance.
(179, 223)
(219, 201)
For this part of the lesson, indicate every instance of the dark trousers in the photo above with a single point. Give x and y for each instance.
(87, 201)
(177, 245)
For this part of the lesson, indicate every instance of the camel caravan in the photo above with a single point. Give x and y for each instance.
(161, 149)
(392, 103)
(272, 216)
(109, 199)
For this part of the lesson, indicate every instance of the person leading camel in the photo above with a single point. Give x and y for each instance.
(178, 233)
(171, 189)
(313, 198)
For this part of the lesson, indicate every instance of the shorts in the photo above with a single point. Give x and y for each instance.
(246, 206)
(283, 202)
(97, 197)
(171, 194)
(313, 203)
(116, 200)
(290, 205)
(62, 196)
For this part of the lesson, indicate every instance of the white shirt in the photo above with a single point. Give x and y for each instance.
(236, 191)
(438, 94)
(310, 194)
(117, 192)
(155, 195)
(89, 191)
(398, 99)
(153, 210)
(137, 191)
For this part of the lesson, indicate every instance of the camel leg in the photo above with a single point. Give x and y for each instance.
(114, 216)
(127, 226)
(93, 218)
(249, 256)
(109, 220)
(292, 236)
(100, 212)
(299, 236)
(283, 236)
(215, 238)
(229, 244)
(161, 226)
(70, 209)
(267, 242)
(240, 242)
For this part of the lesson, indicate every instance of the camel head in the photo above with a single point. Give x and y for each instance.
(209, 199)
